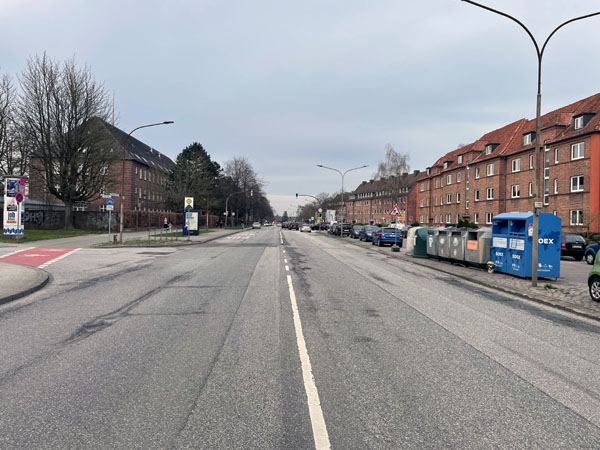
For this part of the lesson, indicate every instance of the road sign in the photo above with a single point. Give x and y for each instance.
(105, 195)
(19, 197)
(395, 211)
(110, 202)
(411, 218)
(112, 194)
(110, 207)
(189, 201)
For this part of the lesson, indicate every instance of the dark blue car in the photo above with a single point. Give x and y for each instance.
(366, 234)
(386, 235)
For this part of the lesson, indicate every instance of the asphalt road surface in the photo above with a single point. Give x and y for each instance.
(273, 339)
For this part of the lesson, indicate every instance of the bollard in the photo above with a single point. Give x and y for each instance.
(490, 266)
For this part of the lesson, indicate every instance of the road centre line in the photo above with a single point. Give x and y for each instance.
(317, 420)
(287, 268)
(59, 258)
(285, 260)
(16, 251)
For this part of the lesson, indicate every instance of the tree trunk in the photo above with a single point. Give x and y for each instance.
(68, 216)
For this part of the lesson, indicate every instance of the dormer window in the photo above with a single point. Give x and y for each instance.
(528, 138)
(460, 159)
(428, 171)
(490, 148)
(446, 165)
(581, 120)
(578, 125)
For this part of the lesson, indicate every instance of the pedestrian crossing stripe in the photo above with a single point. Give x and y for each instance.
(395, 211)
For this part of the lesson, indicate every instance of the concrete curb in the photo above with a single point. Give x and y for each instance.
(44, 279)
(567, 308)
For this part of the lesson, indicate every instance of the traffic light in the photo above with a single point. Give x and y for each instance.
(296, 196)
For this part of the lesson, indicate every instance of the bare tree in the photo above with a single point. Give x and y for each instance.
(245, 179)
(391, 172)
(58, 112)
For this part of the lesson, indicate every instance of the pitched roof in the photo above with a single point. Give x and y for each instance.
(406, 179)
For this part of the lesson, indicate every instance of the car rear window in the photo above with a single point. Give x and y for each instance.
(571, 238)
(389, 230)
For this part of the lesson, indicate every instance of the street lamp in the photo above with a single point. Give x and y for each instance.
(342, 175)
(166, 122)
(226, 202)
(536, 166)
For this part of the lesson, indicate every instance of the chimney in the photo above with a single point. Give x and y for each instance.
(416, 172)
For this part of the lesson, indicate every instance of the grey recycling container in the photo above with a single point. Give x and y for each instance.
(432, 242)
(477, 246)
(444, 243)
(457, 245)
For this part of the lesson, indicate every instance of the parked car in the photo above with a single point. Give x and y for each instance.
(305, 228)
(572, 245)
(590, 253)
(333, 228)
(343, 229)
(355, 232)
(594, 281)
(256, 225)
(387, 235)
(367, 233)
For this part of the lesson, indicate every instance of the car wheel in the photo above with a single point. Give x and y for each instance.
(372, 242)
(589, 258)
(379, 244)
(595, 289)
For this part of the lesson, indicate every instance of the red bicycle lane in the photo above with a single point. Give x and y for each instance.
(38, 256)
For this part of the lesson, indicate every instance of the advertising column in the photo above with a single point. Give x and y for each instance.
(14, 190)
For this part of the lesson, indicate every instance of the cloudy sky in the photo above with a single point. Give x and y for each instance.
(292, 84)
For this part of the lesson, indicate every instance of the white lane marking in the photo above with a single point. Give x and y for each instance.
(16, 251)
(314, 404)
(287, 268)
(52, 261)
(285, 260)
(283, 251)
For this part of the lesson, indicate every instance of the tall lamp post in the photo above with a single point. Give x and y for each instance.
(537, 207)
(166, 122)
(342, 175)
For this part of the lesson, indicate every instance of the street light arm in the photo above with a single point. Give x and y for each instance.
(356, 168)
(562, 25)
(537, 48)
(330, 168)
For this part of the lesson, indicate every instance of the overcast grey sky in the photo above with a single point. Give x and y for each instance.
(293, 84)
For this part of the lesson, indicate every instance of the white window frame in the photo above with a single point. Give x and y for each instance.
(422, 187)
(580, 146)
(515, 191)
(460, 159)
(448, 218)
(555, 156)
(488, 217)
(449, 179)
(488, 149)
(578, 123)
(458, 177)
(476, 218)
(578, 217)
(487, 193)
(516, 165)
(448, 199)
(531, 189)
(490, 170)
(531, 161)
(527, 139)
(579, 184)
(458, 197)
(556, 185)
(476, 195)
(477, 173)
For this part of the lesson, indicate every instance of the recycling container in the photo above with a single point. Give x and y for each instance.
(512, 244)
(432, 242)
(444, 243)
(457, 245)
(410, 241)
(420, 244)
(477, 246)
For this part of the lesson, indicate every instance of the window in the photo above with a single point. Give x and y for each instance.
(448, 199)
(490, 170)
(578, 124)
(446, 165)
(577, 150)
(428, 171)
(103, 207)
(422, 187)
(489, 149)
(103, 190)
(458, 177)
(136, 170)
(531, 189)
(556, 185)
(516, 165)
(448, 218)
(488, 217)
(555, 212)
(458, 197)
(555, 156)
(449, 179)
(141, 170)
(490, 193)
(531, 161)
(576, 217)
(527, 138)
(516, 190)
(420, 219)
(477, 172)
(460, 159)
(421, 203)
(577, 183)
(476, 218)
(441, 199)
(436, 183)
(477, 195)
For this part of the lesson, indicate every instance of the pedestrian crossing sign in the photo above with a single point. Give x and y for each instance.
(395, 211)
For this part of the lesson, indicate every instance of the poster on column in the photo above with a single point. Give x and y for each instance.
(14, 189)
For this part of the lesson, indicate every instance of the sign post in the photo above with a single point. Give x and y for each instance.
(395, 212)
(110, 205)
(14, 188)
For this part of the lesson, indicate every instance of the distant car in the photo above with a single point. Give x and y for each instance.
(387, 235)
(333, 228)
(367, 233)
(256, 225)
(305, 228)
(294, 226)
(590, 253)
(343, 229)
(594, 281)
(355, 232)
(572, 245)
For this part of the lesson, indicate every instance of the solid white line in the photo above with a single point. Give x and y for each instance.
(16, 251)
(287, 268)
(59, 258)
(314, 404)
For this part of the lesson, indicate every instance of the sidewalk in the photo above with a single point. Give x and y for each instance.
(19, 280)
(565, 295)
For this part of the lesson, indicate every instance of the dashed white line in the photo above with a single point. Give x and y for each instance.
(285, 260)
(287, 268)
(59, 258)
(317, 420)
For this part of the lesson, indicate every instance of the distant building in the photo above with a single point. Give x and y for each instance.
(496, 173)
(146, 176)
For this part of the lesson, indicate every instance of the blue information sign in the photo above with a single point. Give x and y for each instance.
(110, 201)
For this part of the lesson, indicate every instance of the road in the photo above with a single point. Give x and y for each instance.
(282, 340)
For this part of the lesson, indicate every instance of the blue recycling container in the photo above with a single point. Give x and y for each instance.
(512, 244)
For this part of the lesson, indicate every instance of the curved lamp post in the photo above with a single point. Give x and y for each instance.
(540, 53)
(166, 122)
(342, 174)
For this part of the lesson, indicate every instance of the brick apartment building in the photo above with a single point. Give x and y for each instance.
(495, 173)
(146, 176)
(372, 201)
